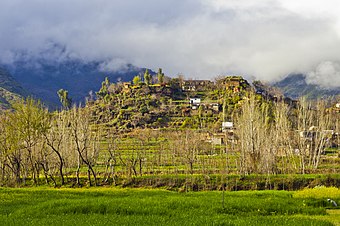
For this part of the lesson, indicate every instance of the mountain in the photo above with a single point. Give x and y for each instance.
(10, 89)
(295, 86)
(44, 77)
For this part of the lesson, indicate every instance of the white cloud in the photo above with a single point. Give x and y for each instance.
(267, 39)
(308, 8)
(119, 65)
(326, 75)
(322, 9)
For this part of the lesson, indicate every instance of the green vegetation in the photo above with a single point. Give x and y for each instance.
(106, 206)
(137, 104)
(171, 135)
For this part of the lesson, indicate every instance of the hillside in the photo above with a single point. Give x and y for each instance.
(10, 90)
(295, 86)
(195, 104)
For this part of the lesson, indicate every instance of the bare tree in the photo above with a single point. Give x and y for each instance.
(313, 125)
(110, 156)
(322, 135)
(57, 138)
(282, 137)
(82, 138)
(250, 129)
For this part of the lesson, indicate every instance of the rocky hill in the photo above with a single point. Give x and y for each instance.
(195, 104)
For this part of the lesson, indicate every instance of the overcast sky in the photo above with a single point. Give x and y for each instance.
(264, 39)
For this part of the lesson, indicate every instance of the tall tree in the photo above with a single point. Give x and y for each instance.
(82, 138)
(65, 100)
(104, 90)
(160, 76)
(147, 77)
(31, 120)
(136, 80)
(256, 153)
(57, 138)
(10, 151)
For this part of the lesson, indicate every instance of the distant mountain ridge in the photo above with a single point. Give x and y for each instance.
(295, 86)
(54, 69)
(10, 89)
(43, 78)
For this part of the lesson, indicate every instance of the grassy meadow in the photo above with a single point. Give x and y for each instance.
(114, 206)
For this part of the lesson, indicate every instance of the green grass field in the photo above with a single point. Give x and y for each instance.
(107, 206)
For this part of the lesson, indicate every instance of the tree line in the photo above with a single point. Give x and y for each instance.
(68, 146)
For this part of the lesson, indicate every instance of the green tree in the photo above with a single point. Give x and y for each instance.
(136, 80)
(10, 150)
(104, 90)
(147, 77)
(65, 100)
(31, 120)
(160, 76)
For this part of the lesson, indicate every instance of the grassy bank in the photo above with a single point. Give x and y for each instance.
(200, 182)
(231, 182)
(106, 206)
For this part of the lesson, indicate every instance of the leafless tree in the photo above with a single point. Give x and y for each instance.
(82, 138)
(57, 139)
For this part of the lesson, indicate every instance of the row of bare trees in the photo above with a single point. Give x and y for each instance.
(275, 134)
(34, 142)
(59, 147)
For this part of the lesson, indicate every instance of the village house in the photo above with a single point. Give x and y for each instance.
(214, 107)
(226, 136)
(227, 126)
(216, 138)
(196, 85)
(221, 138)
(234, 83)
(195, 103)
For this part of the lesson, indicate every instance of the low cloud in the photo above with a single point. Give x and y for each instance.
(326, 75)
(115, 65)
(198, 38)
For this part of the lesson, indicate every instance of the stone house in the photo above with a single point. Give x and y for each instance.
(196, 85)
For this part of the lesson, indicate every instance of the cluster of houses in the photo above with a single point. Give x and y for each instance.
(232, 83)
(196, 85)
(195, 103)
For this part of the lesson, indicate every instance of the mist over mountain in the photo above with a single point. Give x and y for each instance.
(45, 75)
(56, 67)
(201, 39)
(298, 85)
